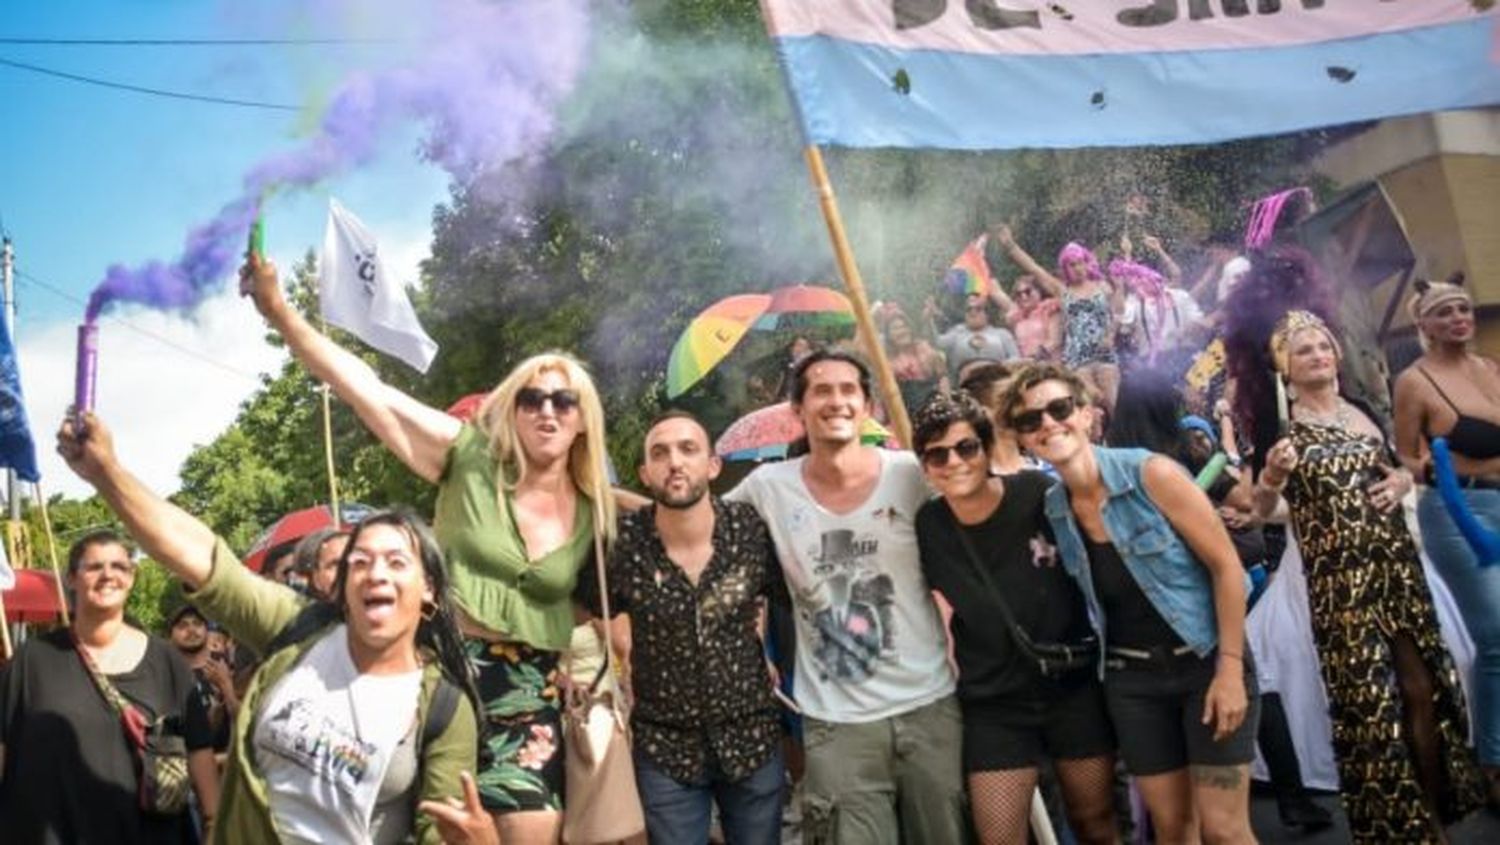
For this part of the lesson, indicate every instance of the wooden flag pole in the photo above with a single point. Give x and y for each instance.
(333, 481)
(62, 598)
(849, 270)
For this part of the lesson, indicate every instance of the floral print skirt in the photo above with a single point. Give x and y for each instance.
(518, 685)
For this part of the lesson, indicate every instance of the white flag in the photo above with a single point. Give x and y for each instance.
(359, 295)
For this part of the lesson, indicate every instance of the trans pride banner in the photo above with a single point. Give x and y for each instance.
(1000, 74)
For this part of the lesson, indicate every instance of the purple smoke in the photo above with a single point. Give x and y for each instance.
(485, 80)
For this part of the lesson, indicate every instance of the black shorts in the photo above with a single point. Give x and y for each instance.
(1157, 709)
(1073, 724)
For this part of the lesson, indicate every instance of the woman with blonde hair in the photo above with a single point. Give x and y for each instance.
(523, 501)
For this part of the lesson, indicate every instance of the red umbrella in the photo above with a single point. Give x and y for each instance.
(298, 524)
(33, 598)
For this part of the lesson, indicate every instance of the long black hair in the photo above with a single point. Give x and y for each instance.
(437, 632)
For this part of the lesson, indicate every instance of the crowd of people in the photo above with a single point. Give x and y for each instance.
(1062, 579)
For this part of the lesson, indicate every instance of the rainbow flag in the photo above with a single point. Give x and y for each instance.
(998, 74)
(970, 273)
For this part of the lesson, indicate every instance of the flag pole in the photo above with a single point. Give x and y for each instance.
(62, 598)
(849, 270)
(5, 645)
(333, 481)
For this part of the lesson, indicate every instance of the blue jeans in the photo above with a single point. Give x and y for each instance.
(1476, 590)
(677, 812)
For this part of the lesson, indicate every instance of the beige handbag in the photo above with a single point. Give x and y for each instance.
(602, 804)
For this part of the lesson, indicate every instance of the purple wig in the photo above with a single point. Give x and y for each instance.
(1075, 251)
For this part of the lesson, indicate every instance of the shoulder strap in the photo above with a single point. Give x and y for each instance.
(1430, 380)
(308, 621)
(1023, 639)
(440, 711)
(106, 689)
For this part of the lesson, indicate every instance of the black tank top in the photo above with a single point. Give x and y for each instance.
(1130, 620)
(1471, 437)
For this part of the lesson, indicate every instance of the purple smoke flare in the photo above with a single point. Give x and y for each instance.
(485, 81)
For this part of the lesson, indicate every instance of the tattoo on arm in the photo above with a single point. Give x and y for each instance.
(1219, 777)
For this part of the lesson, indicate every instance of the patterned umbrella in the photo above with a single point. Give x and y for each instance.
(806, 305)
(765, 434)
(709, 337)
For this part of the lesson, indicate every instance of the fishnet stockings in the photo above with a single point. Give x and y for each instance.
(1088, 794)
(1001, 803)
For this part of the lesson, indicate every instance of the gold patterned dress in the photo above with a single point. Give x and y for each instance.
(1365, 589)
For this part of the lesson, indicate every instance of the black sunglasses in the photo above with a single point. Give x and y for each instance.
(1060, 410)
(966, 449)
(533, 398)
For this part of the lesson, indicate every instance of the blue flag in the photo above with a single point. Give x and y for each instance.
(1003, 74)
(17, 450)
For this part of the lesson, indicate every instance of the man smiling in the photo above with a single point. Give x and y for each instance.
(882, 728)
(692, 570)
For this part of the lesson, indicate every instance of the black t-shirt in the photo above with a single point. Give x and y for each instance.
(70, 774)
(1015, 544)
(206, 721)
(1130, 619)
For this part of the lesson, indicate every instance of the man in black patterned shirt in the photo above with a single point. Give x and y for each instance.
(691, 571)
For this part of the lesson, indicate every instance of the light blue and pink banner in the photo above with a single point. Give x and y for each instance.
(999, 74)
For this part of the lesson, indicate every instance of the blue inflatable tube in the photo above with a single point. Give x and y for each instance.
(1484, 542)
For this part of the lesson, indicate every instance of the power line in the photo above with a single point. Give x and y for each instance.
(141, 89)
(188, 42)
(56, 291)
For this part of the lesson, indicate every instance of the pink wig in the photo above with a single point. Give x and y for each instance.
(1075, 251)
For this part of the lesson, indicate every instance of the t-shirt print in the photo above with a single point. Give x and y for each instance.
(850, 605)
(325, 748)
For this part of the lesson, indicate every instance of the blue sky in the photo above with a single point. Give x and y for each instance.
(90, 176)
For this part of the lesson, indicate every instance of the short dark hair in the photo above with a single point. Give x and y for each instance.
(1032, 375)
(799, 372)
(944, 408)
(983, 382)
(678, 414)
(97, 537)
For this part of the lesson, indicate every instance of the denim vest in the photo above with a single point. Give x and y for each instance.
(1175, 583)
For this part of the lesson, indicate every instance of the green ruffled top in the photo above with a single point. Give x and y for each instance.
(529, 601)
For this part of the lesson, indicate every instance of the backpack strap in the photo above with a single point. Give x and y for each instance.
(440, 711)
(308, 621)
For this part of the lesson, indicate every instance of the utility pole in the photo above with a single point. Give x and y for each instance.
(7, 268)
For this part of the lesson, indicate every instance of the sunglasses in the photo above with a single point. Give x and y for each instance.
(1060, 410)
(966, 449)
(533, 398)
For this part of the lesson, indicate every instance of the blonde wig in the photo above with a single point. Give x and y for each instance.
(1289, 327)
(586, 457)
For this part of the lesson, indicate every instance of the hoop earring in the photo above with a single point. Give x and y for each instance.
(429, 610)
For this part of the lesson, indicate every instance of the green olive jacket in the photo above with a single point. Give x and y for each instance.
(254, 610)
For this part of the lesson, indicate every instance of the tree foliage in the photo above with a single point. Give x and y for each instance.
(676, 178)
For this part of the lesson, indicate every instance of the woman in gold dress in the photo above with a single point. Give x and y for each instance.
(1399, 726)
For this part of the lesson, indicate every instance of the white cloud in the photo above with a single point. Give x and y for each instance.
(166, 384)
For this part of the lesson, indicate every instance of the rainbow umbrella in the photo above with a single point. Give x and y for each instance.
(766, 433)
(805, 306)
(709, 337)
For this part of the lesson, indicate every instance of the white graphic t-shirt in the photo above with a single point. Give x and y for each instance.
(324, 739)
(870, 641)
